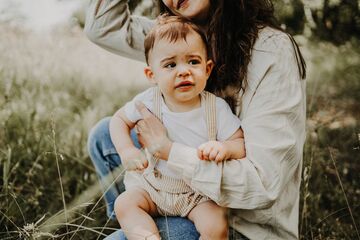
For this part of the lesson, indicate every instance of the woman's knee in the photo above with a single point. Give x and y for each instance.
(176, 228)
(98, 133)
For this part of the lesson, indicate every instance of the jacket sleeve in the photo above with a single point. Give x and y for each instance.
(111, 26)
(273, 121)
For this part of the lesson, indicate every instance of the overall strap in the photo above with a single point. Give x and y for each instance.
(157, 112)
(157, 103)
(210, 111)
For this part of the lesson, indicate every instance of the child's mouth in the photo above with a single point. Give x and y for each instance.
(184, 85)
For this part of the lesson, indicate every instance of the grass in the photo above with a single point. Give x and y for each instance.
(55, 87)
(330, 190)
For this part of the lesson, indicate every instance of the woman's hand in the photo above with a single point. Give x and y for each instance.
(152, 133)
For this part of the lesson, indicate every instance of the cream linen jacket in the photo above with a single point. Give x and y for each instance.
(261, 190)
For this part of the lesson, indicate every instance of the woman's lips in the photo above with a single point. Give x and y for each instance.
(181, 3)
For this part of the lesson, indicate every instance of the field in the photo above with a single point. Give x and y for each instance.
(55, 87)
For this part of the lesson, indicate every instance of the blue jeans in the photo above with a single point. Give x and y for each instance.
(105, 158)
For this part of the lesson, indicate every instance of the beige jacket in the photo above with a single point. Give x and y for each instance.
(261, 190)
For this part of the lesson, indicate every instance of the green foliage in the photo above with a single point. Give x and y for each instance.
(332, 151)
(290, 15)
(336, 21)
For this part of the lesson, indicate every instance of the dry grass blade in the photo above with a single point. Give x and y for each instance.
(18, 206)
(80, 228)
(58, 168)
(119, 172)
(104, 227)
(6, 170)
(10, 221)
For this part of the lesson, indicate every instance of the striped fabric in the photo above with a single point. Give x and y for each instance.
(173, 197)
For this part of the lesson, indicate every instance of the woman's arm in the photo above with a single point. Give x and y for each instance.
(110, 25)
(273, 121)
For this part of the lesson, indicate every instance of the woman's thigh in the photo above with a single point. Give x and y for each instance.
(176, 228)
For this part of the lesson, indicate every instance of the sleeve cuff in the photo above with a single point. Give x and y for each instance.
(183, 160)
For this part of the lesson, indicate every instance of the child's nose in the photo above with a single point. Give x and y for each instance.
(183, 71)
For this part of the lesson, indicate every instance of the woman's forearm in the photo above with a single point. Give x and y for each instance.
(110, 25)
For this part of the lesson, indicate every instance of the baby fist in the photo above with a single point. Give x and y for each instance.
(213, 151)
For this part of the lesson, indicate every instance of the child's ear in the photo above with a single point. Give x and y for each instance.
(149, 75)
(209, 67)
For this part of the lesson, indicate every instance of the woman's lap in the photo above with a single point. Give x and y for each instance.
(175, 228)
(105, 159)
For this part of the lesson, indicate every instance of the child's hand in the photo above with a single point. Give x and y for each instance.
(133, 159)
(213, 151)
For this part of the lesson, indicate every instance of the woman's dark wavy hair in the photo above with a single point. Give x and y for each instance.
(233, 29)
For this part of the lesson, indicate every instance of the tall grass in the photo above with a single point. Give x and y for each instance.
(55, 87)
(53, 90)
(331, 183)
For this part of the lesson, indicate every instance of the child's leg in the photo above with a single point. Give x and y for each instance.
(210, 220)
(134, 209)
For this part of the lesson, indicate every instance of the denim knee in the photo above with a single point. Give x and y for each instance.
(97, 136)
(104, 158)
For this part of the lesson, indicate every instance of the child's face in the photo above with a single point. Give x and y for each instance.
(180, 69)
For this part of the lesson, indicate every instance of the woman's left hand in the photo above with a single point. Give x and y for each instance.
(152, 133)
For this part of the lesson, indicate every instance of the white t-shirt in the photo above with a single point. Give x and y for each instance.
(188, 128)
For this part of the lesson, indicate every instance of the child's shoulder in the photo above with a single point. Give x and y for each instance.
(146, 95)
(221, 103)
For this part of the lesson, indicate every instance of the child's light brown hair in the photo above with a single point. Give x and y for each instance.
(171, 28)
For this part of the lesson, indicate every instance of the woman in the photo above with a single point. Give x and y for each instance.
(259, 71)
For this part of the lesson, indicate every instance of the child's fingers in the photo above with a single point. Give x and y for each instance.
(145, 164)
(220, 157)
(139, 164)
(199, 153)
(206, 152)
(213, 154)
(130, 166)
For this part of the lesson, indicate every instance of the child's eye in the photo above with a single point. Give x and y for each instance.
(170, 65)
(194, 62)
